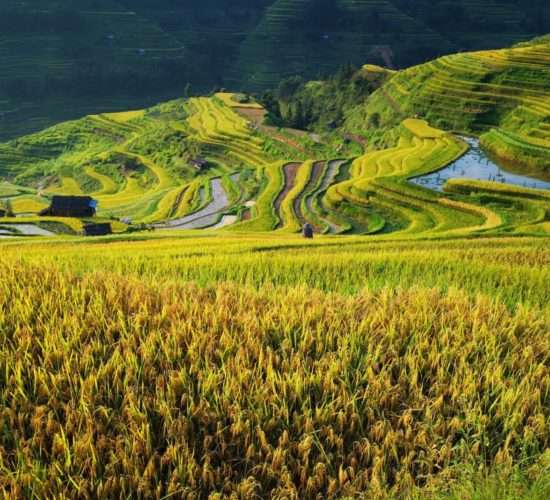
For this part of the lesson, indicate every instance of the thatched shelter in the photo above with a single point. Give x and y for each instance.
(71, 206)
(102, 229)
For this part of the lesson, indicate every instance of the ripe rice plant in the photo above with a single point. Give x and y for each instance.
(269, 366)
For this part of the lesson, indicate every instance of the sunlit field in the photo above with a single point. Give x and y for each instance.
(274, 367)
(206, 350)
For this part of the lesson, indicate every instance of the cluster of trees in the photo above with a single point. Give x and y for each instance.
(319, 105)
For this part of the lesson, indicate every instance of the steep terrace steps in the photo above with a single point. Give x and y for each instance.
(221, 117)
(300, 206)
(530, 143)
(108, 186)
(312, 204)
(290, 173)
(447, 81)
(445, 217)
(529, 206)
(380, 177)
(275, 43)
(239, 151)
(370, 166)
(468, 65)
(69, 186)
(489, 90)
(500, 90)
(507, 58)
(216, 137)
(429, 214)
(219, 124)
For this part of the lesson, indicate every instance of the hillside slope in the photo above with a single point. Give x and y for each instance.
(64, 59)
(209, 163)
(503, 96)
(76, 58)
(312, 37)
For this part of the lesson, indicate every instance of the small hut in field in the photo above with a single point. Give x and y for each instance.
(98, 229)
(199, 163)
(71, 206)
(307, 231)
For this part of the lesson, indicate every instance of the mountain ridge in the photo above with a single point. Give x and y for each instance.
(106, 55)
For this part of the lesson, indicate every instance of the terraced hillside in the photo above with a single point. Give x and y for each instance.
(212, 162)
(285, 43)
(65, 59)
(200, 163)
(69, 59)
(136, 164)
(503, 95)
(379, 184)
(158, 165)
(311, 38)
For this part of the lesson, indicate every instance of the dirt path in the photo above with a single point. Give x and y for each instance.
(27, 230)
(290, 170)
(257, 116)
(207, 216)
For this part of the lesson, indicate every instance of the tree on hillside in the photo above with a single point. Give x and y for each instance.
(9, 209)
(288, 87)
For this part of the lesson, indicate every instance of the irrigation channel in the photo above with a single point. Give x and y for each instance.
(476, 164)
(207, 216)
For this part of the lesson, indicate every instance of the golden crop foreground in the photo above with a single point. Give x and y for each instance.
(511, 270)
(123, 384)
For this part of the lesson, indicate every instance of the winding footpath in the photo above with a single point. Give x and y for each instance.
(207, 216)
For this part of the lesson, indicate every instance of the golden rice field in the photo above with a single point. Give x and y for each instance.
(202, 365)
(407, 359)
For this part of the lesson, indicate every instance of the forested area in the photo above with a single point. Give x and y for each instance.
(150, 50)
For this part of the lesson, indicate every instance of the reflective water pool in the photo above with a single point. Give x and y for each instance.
(475, 164)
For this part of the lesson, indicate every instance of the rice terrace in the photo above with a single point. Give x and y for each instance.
(298, 288)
